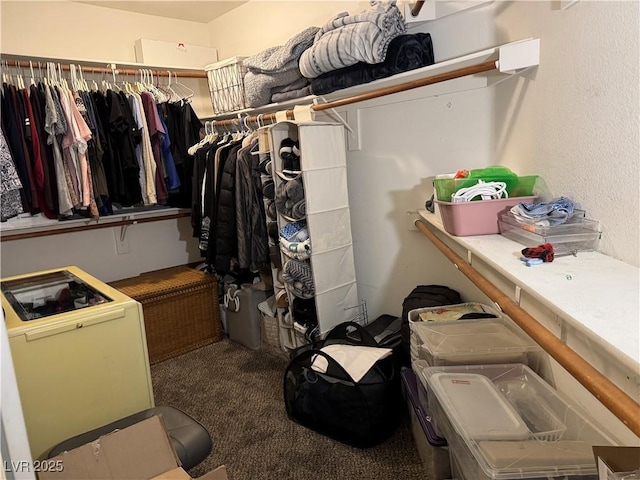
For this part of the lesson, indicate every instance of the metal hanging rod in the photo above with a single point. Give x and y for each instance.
(416, 7)
(609, 394)
(380, 92)
(93, 68)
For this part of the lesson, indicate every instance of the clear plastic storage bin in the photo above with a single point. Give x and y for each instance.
(576, 235)
(505, 422)
(471, 341)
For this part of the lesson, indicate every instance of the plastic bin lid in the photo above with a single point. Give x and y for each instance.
(467, 336)
(476, 408)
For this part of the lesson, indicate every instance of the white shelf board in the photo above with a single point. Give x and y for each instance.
(511, 58)
(596, 294)
(26, 223)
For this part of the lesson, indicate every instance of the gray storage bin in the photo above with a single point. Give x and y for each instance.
(243, 318)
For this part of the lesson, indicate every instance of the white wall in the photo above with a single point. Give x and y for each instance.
(75, 30)
(577, 118)
(256, 25)
(152, 245)
(70, 30)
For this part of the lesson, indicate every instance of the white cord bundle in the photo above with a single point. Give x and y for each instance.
(486, 191)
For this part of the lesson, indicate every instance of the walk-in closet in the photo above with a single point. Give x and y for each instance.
(227, 239)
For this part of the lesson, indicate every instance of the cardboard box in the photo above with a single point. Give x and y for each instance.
(142, 451)
(613, 462)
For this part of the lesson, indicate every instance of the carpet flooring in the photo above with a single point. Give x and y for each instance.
(236, 393)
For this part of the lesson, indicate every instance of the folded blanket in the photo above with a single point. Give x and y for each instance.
(298, 89)
(258, 86)
(297, 274)
(291, 94)
(405, 52)
(349, 39)
(275, 67)
(282, 58)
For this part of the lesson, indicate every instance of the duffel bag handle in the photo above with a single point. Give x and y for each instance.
(342, 333)
(333, 368)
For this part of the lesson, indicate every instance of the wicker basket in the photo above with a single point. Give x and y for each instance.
(270, 333)
(226, 85)
(180, 307)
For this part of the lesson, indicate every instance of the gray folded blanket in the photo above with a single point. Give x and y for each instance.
(275, 67)
(349, 39)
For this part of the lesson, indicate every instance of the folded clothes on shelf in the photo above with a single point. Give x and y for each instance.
(545, 213)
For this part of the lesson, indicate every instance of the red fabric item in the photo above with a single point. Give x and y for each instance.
(544, 251)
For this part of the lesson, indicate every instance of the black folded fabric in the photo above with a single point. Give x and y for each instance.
(405, 52)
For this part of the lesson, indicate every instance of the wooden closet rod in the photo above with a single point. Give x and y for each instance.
(380, 92)
(87, 68)
(415, 9)
(618, 402)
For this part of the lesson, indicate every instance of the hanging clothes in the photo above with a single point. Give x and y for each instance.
(157, 133)
(253, 243)
(56, 126)
(49, 202)
(184, 128)
(10, 185)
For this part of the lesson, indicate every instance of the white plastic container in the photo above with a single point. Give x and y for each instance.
(465, 394)
(559, 441)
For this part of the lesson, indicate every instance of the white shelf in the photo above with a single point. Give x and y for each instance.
(511, 58)
(25, 223)
(596, 294)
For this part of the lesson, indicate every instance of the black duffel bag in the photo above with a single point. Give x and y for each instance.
(361, 414)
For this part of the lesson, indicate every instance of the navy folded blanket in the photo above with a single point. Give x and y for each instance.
(405, 52)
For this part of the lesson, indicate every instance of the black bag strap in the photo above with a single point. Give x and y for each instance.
(351, 333)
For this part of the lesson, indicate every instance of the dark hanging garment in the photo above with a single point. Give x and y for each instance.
(225, 233)
(112, 170)
(103, 149)
(253, 240)
(38, 153)
(38, 102)
(184, 130)
(14, 123)
(14, 142)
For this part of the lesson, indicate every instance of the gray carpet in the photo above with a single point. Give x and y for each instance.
(236, 393)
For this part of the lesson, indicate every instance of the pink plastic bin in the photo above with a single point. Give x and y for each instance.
(475, 218)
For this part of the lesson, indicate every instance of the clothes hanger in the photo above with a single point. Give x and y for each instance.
(5, 69)
(184, 88)
(32, 82)
(19, 79)
(174, 97)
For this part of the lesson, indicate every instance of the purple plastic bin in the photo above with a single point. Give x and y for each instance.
(410, 383)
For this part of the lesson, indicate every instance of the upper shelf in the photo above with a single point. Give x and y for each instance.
(502, 62)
